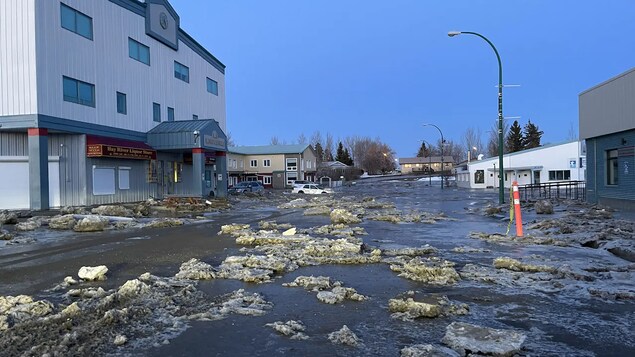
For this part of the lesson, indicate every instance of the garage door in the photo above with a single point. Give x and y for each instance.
(14, 183)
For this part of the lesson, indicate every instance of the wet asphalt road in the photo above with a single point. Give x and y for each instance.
(555, 324)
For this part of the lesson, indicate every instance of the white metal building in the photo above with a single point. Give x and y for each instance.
(82, 86)
(549, 163)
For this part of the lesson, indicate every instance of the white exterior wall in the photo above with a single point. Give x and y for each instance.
(18, 95)
(544, 159)
(104, 62)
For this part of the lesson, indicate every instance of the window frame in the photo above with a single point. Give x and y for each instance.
(77, 98)
(214, 86)
(612, 167)
(194, 117)
(293, 167)
(156, 112)
(170, 114)
(75, 27)
(122, 110)
(253, 163)
(266, 180)
(178, 72)
(266, 162)
(138, 46)
(479, 176)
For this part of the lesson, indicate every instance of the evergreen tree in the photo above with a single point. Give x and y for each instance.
(348, 160)
(532, 136)
(514, 139)
(423, 150)
(339, 156)
(319, 152)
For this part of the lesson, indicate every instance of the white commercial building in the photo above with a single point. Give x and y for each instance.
(105, 101)
(544, 164)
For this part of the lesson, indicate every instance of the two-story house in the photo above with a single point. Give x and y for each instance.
(276, 166)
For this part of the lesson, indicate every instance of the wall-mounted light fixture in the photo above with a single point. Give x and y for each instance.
(196, 135)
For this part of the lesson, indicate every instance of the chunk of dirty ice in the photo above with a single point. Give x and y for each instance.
(344, 336)
(515, 265)
(315, 283)
(88, 293)
(289, 232)
(294, 329)
(339, 294)
(16, 309)
(428, 351)
(432, 306)
(463, 338)
(120, 340)
(91, 224)
(195, 269)
(93, 273)
(232, 228)
(430, 271)
(340, 215)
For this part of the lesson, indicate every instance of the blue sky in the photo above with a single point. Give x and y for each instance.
(383, 68)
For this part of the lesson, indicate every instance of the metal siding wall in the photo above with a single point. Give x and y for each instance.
(592, 171)
(625, 189)
(71, 150)
(18, 93)
(14, 144)
(609, 107)
(140, 189)
(104, 61)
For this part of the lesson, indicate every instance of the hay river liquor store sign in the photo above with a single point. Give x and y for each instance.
(101, 150)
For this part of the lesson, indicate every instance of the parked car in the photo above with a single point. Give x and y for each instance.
(246, 186)
(311, 189)
(298, 183)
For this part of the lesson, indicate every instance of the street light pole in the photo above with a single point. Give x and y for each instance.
(501, 185)
(442, 143)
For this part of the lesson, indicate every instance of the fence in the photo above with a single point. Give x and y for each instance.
(571, 190)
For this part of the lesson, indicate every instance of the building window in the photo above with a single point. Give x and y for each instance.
(121, 103)
(212, 86)
(308, 164)
(559, 175)
(253, 163)
(266, 180)
(292, 164)
(77, 22)
(266, 163)
(195, 117)
(138, 51)
(170, 114)
(156, 112)
(78, 92)
(611, 167)
(291, 178)
(103, 180)
(177, 170)
(479, 176)
(181, 72)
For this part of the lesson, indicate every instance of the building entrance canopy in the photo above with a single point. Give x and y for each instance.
(188, 134)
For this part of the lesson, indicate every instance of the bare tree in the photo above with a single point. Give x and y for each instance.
(472, 141)
(316, 137)
(302, 139)
(492, 142)
(349, 143)
(379, 158)
(230, 140)
(274, 141)
(329, 147)
(573, 132)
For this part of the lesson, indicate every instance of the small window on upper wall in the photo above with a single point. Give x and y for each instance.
(138, 51)
(212, 86)
(195, 117)
(77, 22)
(170, 114)
(78, 92)
(181, 72)
(156, 112)
(121, 103)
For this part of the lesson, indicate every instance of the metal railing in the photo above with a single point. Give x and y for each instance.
(568, 190)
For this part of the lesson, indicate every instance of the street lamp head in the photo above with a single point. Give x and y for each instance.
(454, 33)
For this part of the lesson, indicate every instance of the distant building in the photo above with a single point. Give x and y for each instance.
(607, 123)
(548, 163)
(424, 165)
(99, 104)
(276, 166)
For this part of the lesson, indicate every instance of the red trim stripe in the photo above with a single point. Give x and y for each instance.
(198, 151)
(38, 132)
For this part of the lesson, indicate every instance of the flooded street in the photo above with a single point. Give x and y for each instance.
(564, 287)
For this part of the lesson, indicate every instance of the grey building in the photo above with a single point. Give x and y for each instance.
(607, 123)
(106, 101)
